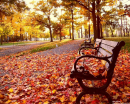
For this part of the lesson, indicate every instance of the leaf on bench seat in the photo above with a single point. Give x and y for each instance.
(104, 73)
(95, 74)
(103, 62)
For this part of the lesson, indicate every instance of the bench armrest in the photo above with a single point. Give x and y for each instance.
(96, 48)
(91, 56)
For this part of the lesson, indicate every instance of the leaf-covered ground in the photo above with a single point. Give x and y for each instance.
(38, 79)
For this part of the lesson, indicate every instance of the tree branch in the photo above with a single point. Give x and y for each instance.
(80, 3)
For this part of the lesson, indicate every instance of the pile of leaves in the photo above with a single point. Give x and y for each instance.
(34, 79)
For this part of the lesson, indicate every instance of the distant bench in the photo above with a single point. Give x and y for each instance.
(105, 50)
(94, 46)
(87, 42)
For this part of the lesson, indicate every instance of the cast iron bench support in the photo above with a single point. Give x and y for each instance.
(108, 51)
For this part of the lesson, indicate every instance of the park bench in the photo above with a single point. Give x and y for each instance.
(107, 52)
(94, 46)
(87, 42)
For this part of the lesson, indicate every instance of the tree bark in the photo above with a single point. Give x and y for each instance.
(30, 38)
(98, 21)
(89, 29)
(50, 28)
(94, 20)
(70, 32)
(81, 32)
(101, 31)
(121, 26)
(111, 31)
(72, 25)
(60, 34)
(85, 33)
(78, 34)
(1, 39)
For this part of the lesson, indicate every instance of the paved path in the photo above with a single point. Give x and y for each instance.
(7, 50)
(70, 46)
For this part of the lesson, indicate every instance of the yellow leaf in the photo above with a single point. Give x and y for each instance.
(54, 91)
(103, 62)
(10, 90)
(38, 83)
(126, 88)
(46, 102)
(72, 99)
(7, 102)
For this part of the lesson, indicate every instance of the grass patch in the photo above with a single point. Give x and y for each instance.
(19, 43)
(118, 39)
(49, 45)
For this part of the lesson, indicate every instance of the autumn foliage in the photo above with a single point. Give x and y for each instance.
(36, 79)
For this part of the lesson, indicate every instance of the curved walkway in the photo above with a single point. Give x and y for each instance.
(70, 46)
(7, 50)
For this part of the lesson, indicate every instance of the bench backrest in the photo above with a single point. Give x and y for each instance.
(110, 49)
(97, 42)
(88, 40)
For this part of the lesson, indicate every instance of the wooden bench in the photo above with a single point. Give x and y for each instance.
(94, 46)
(107, 52)
(87, 42)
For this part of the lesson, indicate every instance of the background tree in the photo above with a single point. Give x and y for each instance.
(70, 6)
(9, 7)
(95, 8)
(47, 9)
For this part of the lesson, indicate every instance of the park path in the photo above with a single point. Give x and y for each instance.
(70, 46)
(7, 50)
(66, 48)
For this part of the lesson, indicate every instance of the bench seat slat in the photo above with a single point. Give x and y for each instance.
(104, 53)
(110, 43)
(107, 48)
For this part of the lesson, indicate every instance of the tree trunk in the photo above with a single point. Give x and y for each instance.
(50, 28)
(20, 34)
(81, 32)
(85, 33)
(94, 20)
(111, 31)
(70, 32)
(72, 25)
(30, 38)
(78, 34)
(101, 31)
(89, 29)
(60, 34)
(124, 32)
(98, 21)
(121, 26)
(1, 39)
(89, 21)
(107, 35)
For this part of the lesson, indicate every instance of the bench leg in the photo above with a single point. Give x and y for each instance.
(85, 92)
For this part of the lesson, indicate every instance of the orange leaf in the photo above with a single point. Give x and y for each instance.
(62, 99)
